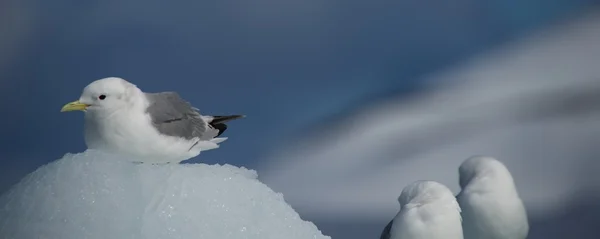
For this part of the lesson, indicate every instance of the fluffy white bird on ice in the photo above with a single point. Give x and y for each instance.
(149, 127)
(428, 210)
(491, 206)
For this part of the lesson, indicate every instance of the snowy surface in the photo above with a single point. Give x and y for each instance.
(533, 104)
(96, 195)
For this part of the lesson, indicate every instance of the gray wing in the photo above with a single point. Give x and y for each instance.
(386, 231)
(171, 115)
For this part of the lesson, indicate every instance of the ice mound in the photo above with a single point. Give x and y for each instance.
(97, 195)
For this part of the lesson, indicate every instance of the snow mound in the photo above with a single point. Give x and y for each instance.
(97, 195)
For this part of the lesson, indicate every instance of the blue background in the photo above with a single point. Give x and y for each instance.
(288, 65)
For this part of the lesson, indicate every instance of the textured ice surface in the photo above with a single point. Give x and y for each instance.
(96, 195)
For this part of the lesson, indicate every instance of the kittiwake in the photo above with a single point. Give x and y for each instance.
(148, 127)
(428, 210)
(492, 208)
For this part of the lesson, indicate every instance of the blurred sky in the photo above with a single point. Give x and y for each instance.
(290, 65)
(534, 104)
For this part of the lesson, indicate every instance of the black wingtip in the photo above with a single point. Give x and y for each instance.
(220, 127)
(218, 122)
(224, 118)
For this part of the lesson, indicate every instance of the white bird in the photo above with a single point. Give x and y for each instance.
(149, 127)
(491, 206)
(428, 210)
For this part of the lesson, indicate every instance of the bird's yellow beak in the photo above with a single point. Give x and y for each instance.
(75, 105)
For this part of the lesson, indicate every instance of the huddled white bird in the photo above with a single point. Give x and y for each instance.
(491, 206)
(149, 127)
(428, 210)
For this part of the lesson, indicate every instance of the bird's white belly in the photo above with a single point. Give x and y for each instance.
(133, 135)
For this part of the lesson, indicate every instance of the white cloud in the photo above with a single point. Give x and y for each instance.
(534, 104)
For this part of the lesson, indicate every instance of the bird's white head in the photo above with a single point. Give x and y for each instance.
(484, 173)
(425, 192)
(104, 95)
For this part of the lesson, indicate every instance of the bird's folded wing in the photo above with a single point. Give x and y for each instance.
(171, 115)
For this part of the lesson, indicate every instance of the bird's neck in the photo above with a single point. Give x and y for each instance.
(491, 185)
(137, 100)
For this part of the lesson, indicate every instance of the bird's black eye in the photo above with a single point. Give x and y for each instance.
(102, 97)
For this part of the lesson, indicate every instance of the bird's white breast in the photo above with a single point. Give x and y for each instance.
(493, 216)
(427, 222)
(131, 133)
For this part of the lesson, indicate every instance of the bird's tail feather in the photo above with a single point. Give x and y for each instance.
(205, 145)
(218, 140)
